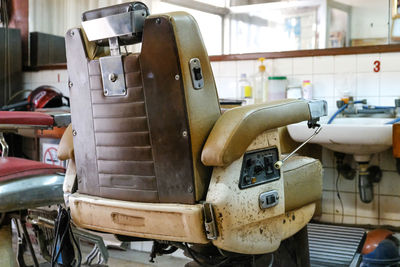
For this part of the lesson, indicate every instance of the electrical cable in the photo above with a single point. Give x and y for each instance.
(67, 231)
(338, 196)
(191, 252)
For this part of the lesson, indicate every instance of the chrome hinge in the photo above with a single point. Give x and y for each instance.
(209, 222)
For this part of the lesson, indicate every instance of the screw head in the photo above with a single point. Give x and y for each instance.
(184, 133)
(158, 20)
(190, 189)
(112, 77)
(177, 77)
(105, 92)
(73, 132)
(70, 84)
(71, 33)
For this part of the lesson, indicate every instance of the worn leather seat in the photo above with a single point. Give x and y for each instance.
(16, 168)
(162, 151)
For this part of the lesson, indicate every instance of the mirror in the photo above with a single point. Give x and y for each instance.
(253, 26)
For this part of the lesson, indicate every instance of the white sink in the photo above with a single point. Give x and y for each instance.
(360, 137)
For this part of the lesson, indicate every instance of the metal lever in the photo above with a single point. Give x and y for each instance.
(279, 163)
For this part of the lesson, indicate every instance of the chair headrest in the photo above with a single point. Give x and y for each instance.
(124, 21)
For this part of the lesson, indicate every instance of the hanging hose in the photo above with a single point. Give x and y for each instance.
(343, 108)
(393, 121)
(337, 113)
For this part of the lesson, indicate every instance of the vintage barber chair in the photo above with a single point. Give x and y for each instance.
(155, 159)
(25, 184)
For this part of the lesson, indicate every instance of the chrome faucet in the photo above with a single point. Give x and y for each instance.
(350, 110)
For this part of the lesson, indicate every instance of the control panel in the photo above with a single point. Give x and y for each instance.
(258, 168)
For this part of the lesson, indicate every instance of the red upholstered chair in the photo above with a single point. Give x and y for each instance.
(26, 183)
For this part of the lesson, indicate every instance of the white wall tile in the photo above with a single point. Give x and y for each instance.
(390, 62)
(365, 62)
(326, 218)
(27, 77)
(390, 184)
(346, 185)
(227, 87)
(323, 65)
(349, 204)
(63, 75)
(390, 84)
(302, 65)
(246, 66)
(345, 82)
(345, 219)
(345, 64)
(215, 68)
(388, 162)
(282, 67)
(387, 100)
(327, 202)
(328, 180)
(367, 221)
(367, 84)
(228, 69)
(389, 207)
(395, 223)
(370, 210)
(323, 85)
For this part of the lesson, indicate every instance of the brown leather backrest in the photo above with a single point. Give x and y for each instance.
(144, 146)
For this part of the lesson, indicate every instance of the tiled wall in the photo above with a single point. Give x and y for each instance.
(331, 76)
(56, 78)
(383, 210)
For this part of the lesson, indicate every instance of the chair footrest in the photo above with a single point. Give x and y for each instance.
(174, 222)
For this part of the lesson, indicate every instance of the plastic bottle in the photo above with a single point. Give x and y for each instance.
(246, 91)
(261, 83)
(307, 90)
(276, 87)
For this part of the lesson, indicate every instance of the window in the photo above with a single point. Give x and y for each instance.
(210, 25)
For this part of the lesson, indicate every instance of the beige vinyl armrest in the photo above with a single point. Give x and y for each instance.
(66, 147)
(238, 127)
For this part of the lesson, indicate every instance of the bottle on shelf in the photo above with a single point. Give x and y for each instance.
(307, 89)
(261, 83)
(246, 91)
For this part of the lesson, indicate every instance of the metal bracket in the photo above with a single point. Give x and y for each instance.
(113, 77)
(4, 146)
(209, 222)
(196, 73)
